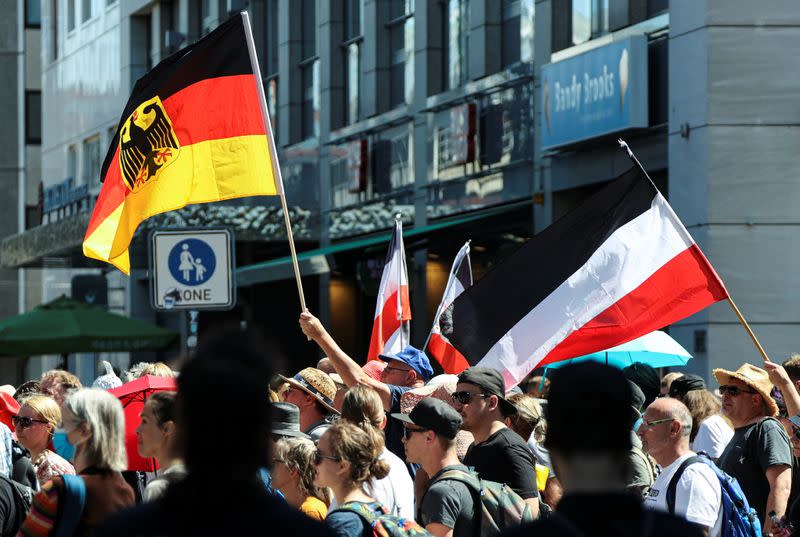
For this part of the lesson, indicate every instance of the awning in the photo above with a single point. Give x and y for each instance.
(314, 261)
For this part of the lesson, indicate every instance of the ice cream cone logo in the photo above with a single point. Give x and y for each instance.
(623, 77)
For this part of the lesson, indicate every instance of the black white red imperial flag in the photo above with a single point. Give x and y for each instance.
(616, 268)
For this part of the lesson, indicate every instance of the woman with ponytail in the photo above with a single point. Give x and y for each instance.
(362, 407)
(348, 458)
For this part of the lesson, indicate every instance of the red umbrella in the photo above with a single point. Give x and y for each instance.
(133, 395)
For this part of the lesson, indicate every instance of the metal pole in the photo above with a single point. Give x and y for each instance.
(276, 169)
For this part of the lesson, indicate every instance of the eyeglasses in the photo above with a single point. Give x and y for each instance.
(654, 422)
(317, 459)
(408, 432)
(23, 422)
(733, 391)
(465, 397)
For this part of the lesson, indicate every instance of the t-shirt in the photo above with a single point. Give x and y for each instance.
(395, 491)
(697, 495)
(749, 466)
(315, 508)
(317, 429)
(450, 503)
(713, 435)
(504, 457)
(394, 428)
(614, 514)
(344, 523)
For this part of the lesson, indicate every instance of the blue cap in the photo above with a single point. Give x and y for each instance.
(414, 358)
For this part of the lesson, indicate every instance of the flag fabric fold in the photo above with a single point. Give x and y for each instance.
(391, 328)
(616, 268)
(452, 361)
(191, 132)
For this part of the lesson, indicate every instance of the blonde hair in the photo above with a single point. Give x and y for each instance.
(362, 448)
(64, 378)
(46, 407)
(702, 404)
(157, 369)
(296, 454)
(362, 406)
(528, 419)
(102, 413)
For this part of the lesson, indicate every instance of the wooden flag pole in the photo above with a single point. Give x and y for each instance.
(273, 152)
(738, 313)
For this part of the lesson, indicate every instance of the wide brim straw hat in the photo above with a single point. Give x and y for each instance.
(316, 383)
(753, 376)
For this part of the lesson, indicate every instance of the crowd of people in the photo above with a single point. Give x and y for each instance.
(349, 450)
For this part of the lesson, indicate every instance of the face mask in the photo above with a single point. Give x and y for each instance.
(62, 445)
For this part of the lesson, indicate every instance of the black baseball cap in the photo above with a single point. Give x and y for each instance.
(491, 382)
(433, 414)
(686, 383)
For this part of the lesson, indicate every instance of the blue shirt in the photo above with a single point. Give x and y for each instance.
(394, 428)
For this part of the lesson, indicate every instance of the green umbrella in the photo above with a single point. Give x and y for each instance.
(65, 326)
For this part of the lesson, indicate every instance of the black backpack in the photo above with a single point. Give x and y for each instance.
(23, 498)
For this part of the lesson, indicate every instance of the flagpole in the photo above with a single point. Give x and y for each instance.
(276, 169)
(738, 313)
(398, 219)
(450, 282)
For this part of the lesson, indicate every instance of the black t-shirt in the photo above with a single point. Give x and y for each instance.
(606, 515)
(752, 450)
(505, 457)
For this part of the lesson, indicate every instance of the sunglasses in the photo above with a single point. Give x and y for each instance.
(733, 391)
(318, 457)
(654, 422)
(22, 422)
(465, 397)
(408, 432)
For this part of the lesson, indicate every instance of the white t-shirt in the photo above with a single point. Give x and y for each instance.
(698, 497)
(713, 435)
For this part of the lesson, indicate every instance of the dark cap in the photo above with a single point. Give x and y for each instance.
(286, 420)
(646, 378)
(598, 398)
(491, 382)
(686, 383)
(414, 358)
(434, 414)
(637, 400)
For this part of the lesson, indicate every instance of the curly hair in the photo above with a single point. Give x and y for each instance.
(296, 454)
(702, 404)
(528, 419)
(362, 448)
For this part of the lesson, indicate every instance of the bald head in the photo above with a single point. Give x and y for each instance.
(668, 407)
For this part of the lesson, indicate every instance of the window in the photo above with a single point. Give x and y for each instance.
(33, 117)
(170, 15)
(309, 69)
(91, 160)
(596, 18)
(353, 35)
(270, 53)
(86, 12)
(456, 25)
(71, 15)
(526, 28)
(510, 45)
(51, 32)
(33, 13)
(401, 51)
(72, 162)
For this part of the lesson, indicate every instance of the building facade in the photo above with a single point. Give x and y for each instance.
(462, 116)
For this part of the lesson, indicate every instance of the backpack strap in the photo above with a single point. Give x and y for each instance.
(74, 500)
(673, 483)
(473, 484)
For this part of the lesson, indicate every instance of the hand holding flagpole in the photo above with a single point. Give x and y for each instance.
(738, 313)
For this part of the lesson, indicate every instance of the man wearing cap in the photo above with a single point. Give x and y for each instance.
(405, 370)
(588, 435)
(665, 430)
(498, 453)
(759, 455)
(447, 507)
(312, 391)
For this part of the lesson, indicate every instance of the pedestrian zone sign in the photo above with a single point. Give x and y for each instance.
(192, 269)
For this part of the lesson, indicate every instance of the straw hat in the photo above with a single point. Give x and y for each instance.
(316, 383)
(755, 377)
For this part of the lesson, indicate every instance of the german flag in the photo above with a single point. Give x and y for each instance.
(192, 132)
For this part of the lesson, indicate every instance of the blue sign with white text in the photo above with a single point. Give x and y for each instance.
(192, 262)
(596, 93)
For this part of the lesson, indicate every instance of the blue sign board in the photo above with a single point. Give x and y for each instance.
(192, 262)
(596, 93)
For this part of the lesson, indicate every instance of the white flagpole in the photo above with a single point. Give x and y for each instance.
(398, 231)
(276, 169)
(450, 282)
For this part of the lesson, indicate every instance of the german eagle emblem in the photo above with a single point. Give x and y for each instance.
(147, 144)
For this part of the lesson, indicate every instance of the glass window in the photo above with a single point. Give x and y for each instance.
(33, 117)
(33, 13)
(457, 41)
(86, 11)
(71, 15)
(271, 38)
(351, 47)
(311, 97)
(308, 16)
(511, 33)
(401, 51)
(352, 19)
(91, 160)
(527, 33)
(52, 30)
(595, 18)
(72, 162)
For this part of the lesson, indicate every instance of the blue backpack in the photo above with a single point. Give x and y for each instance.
(738, 518)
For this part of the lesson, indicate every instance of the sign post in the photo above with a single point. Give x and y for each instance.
(192, 270)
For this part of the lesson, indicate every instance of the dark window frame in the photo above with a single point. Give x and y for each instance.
(29, 139)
